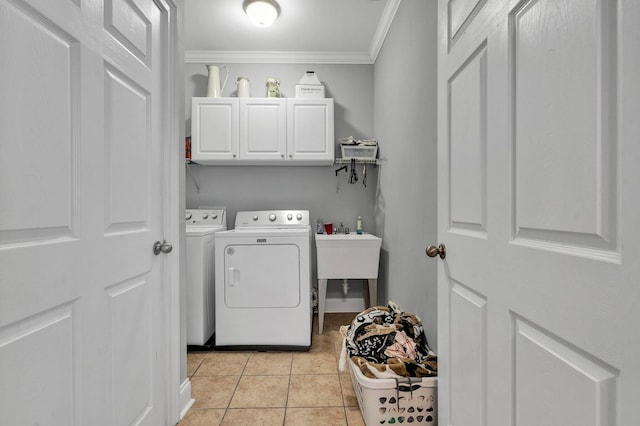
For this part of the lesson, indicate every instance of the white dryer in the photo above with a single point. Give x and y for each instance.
(201, 226)
(263, 282)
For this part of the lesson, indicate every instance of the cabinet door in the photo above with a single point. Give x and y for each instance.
(263, 129)
(214, 129)
(310, 130)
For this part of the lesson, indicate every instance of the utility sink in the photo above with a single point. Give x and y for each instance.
(348, 255)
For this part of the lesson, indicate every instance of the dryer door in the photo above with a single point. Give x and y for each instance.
(262, 276)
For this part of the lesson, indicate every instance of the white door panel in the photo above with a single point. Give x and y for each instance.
(467, 92)
(468, 354)
(80, 208)
(574, 98)
(537, 207)
(50, 113)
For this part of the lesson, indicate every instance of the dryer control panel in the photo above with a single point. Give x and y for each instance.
(272, 218)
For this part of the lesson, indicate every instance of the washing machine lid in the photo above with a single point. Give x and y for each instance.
(201, 231)
(266, 219)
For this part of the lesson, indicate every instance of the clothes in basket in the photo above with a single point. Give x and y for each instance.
(385, 342)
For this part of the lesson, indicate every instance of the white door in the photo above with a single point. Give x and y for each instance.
(81, 329)
(538, 208)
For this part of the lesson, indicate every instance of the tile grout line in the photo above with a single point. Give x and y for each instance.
(286, 403)
(235, 389)
(337, 361)
(197, 368)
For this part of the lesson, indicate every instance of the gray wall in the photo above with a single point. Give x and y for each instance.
(405, 124)
(313, 188)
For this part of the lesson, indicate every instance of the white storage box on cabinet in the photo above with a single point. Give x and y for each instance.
(385, 401)
(262, 131)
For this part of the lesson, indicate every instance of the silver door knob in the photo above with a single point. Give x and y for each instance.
(161, 247)
(433, 251)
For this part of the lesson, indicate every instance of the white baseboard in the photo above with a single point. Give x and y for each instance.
(185, 398)
(344, 304)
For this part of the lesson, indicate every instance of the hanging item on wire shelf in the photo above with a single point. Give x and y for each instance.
(364, 175)
(353, 175)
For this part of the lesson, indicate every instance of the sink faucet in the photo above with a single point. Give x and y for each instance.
(340, 228)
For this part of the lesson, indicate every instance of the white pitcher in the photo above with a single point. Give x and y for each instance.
(243, 84)
(213, 88)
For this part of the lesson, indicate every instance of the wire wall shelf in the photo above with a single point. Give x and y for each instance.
(377, 161)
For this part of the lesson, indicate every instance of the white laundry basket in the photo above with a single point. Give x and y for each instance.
(387, 402)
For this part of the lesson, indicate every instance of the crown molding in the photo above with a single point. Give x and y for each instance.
(204, 57)
(329, 58)
(388, 15)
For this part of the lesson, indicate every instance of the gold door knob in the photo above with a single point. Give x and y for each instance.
(433, 251)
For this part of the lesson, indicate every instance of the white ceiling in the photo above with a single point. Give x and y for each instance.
(307, 31)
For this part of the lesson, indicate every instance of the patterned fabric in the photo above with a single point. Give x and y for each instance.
(404, 347)
(385, 342)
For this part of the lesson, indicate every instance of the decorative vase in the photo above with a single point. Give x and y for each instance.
(273, 87)
(214, 90)
(243, 84)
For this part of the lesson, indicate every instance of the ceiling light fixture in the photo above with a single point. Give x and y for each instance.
(261, 12)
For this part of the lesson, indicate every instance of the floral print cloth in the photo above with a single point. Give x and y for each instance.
(385, 342)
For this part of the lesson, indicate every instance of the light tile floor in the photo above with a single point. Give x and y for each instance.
(275, 388)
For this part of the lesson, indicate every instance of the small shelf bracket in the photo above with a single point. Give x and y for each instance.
(195, 182)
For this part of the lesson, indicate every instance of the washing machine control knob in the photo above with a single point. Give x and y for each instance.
(214, 215)
(299, 216)
(205, 215)
(289, 216)
(272, 217)
(188, 215)
(255, 218)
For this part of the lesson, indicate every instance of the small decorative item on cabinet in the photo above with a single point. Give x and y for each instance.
(309, 86)
(214, 89)
(243, 84)
(273, 87)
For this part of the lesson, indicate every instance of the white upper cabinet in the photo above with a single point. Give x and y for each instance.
(262, 131)
(263, 126)
(215, 129)
(310, 130)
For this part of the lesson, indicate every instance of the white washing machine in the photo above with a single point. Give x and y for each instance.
(263, 282)
(201, 226)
